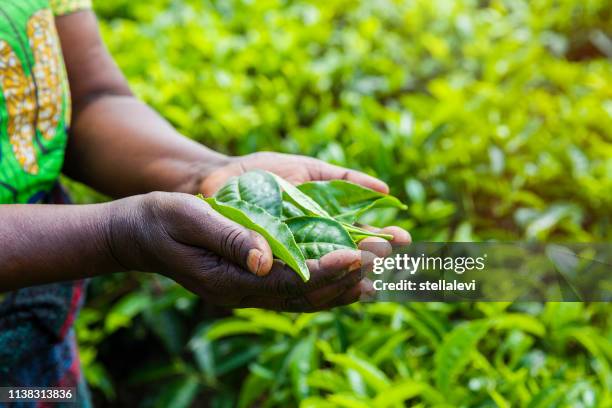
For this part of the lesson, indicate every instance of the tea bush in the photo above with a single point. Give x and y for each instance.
(491, 119)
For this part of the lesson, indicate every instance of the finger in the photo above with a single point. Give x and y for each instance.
(208, 229)
(282, 281)
(333, 266)
(273, 303)
(298, 304)
(350, 296)
(379, 246)
(326, 294)
(367, 289)
(362, 289)
(318, 299)
(320, 170)
(242, 289)
(330, 291)
(400, 235)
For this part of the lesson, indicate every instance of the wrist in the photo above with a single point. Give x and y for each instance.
(196, 173)
(121, 233)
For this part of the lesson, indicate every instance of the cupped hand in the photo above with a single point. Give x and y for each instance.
(294, 168)
(182, 237)
(301, 169)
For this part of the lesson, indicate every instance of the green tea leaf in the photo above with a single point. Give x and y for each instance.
(549, 396)
(317, 236)
(347, 201)
(316, 402)
(372, 375)
(289, 210)
(399, 393)
(231, 327)
(299, 199)
(358, 233)
(254, 386)
(327, 380)
(454, 353)
(254, 187)
(124, 311)
(179, 393)
(302, 360)
(268, 320)
(518, 321)
(277, 234)
(346, 400)
(239, 357)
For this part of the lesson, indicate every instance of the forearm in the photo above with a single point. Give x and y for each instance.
(121, 147)
(50, 243)
(117, 144)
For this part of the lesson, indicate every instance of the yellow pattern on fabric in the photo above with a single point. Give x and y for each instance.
(61, 7)
(20, 99)
(48, 71)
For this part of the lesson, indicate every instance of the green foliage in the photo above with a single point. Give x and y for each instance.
(374, 356)
(455, 353)
(492, 120)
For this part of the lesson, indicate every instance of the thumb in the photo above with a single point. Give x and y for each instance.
(230, 240)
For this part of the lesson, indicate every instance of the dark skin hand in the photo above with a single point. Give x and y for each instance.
(177, 235)
(121, 147)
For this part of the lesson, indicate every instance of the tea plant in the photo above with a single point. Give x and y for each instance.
(491, 120)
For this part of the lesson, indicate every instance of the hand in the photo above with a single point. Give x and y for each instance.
(294, 168)
(300, 169)
(182, 237)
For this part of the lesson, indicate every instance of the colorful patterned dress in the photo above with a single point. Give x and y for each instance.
(37, 344)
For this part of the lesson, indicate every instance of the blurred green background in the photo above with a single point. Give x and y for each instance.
(491, 119)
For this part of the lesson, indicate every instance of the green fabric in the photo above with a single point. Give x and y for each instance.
(34, 101)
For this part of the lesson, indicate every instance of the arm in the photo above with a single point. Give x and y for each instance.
(175, 234)
(121, 147)
(50, 243)
(117, 144)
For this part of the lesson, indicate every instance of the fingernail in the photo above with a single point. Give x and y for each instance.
(255, 261)
(355, 266)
